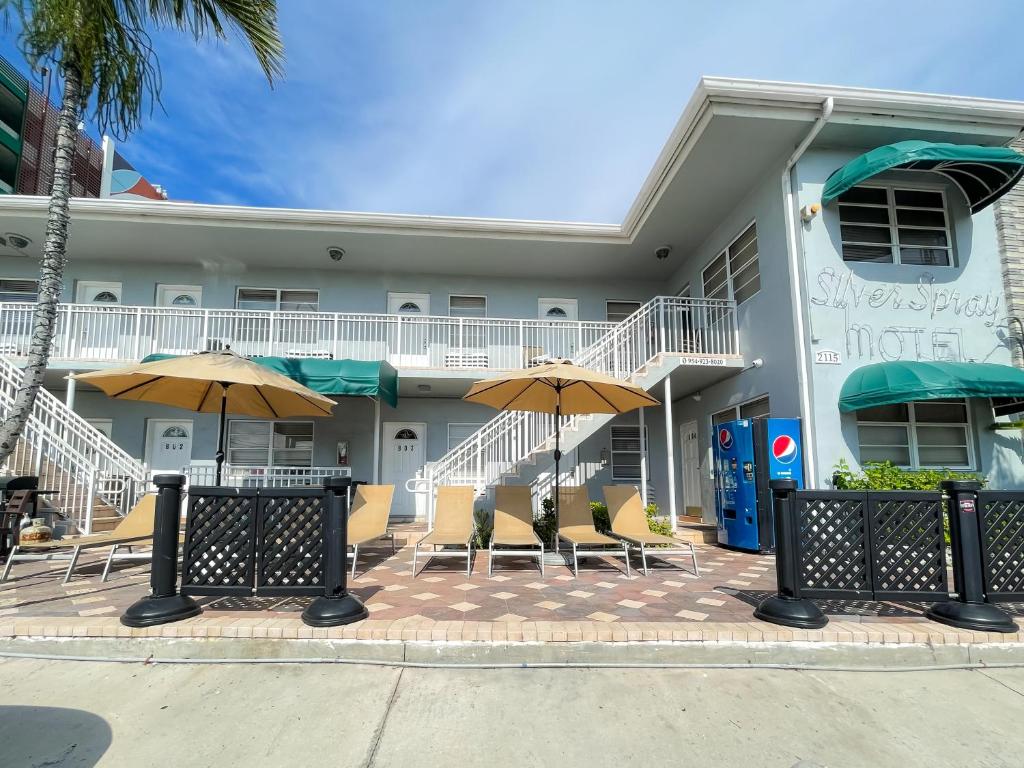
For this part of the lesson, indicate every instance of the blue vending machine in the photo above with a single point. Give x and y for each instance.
(749, 453)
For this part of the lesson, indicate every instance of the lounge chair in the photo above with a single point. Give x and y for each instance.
(629, 523)
(368, 520)
(453, 525)
(135, 529)
(576, 526)
(513, 526)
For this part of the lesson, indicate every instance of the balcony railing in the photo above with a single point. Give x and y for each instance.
(258, 477)
(116, 333)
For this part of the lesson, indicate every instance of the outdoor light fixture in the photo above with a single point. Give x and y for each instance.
(336, 254)
(808, 212)
(17, 241)
(662, 253)
(696, 397)
(757, 363)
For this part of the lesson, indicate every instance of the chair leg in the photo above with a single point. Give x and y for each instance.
(643, 557)
(355, 557)
(110, 561)
(10, 562)
(693, 554)
(415, 554)
(72, 564)
(490, 560)
(393, 550)
(469, 560)
(575, 562)
(625, 552)
(542, 560)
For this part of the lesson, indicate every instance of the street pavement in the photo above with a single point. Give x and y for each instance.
(71, 713)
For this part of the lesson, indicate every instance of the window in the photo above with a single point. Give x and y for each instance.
(270, 443)
(752, 409)
(734, 273)
(928, 434)
(13, 289)
(890, 225)
(281, 299)
(626, 452)
(617, 311)
(459, 433)
(467, 306)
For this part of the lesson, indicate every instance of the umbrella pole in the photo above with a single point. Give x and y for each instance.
(558, 451)
(221, 430)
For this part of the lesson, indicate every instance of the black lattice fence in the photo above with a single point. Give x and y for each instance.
(1001, 518)
(832, 539)
(253, 541)
(871, 545)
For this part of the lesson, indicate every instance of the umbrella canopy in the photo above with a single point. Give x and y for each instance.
(561, 388)
(212, 382)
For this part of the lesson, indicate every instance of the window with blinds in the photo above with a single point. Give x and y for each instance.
(467, 306)
(253, 443)
(627, 450)
(278, 299)
(617, 311)
(892, 225)
(17, 290)
(735, 273)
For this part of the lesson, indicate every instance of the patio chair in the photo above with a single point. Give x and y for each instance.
(576, 526)
(135, 529)
(453, 525)
(513, 526)
(368, 520)
(629, 523)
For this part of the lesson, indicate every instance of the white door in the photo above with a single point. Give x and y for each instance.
(560, 336)
(168, 445)
(179, 330)
(688, 436)
(99, 328)
(411, 347)
(404, 455)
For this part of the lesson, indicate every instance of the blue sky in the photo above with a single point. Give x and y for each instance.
(547, 109)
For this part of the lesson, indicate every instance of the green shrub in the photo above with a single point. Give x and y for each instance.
(483, 526)
(545, 524)
(886, 476)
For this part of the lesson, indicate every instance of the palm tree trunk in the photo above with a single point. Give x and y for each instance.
(51, 267)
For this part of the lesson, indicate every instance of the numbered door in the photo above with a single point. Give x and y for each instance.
(560, 335)
(100, 329)
(404, 455)
(411, 346)
(688, 437)
(168, 445)
(178, 330)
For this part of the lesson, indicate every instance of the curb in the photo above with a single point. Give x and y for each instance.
(793, 655)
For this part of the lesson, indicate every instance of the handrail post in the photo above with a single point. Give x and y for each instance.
(336, 606)
(971, 610)
(661, 322)
(788, 607)
(164, 604)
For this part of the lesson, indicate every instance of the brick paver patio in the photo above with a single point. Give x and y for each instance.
(441, 603)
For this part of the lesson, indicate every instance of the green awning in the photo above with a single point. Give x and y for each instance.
(904, 381)
(346, 378)
(983, 174)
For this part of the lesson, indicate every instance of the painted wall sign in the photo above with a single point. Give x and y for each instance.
(695, 360)
(827, 357)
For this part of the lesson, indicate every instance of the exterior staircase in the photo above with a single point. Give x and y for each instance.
(643, 349)
(96, 481)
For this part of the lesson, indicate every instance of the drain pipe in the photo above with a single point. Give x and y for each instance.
(796, 272)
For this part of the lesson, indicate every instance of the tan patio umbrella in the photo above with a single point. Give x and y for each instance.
(561, 388)
(212, 382)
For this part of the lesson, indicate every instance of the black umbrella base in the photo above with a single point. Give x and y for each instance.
(151, 611)
(980, 617)
(791, 612)
(334, 611)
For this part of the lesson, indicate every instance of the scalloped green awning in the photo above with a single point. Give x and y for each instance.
(904, 381)
(345, 378)
(983, 174)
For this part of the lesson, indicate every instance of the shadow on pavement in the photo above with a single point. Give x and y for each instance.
(51, 736)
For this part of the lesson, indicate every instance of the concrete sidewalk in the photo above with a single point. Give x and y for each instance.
(90, 713)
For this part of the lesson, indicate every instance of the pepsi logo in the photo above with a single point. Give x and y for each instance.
(725, 438)
(784, 449)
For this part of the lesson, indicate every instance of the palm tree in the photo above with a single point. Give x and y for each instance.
(102, 50)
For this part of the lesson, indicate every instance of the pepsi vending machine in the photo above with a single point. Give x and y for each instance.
(749, 453)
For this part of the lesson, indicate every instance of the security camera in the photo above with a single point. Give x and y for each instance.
(336, 254)
(663, 252)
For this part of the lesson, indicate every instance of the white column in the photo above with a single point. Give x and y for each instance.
(69, 395)
(376, 440)
(643, 459)
(670, 450)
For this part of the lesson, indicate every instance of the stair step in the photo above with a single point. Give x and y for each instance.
(105, 523)
(702, 533)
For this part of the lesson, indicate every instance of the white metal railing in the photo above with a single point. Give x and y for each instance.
(70, 456)
(204, 473)
(116, 333)
(665, 325)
